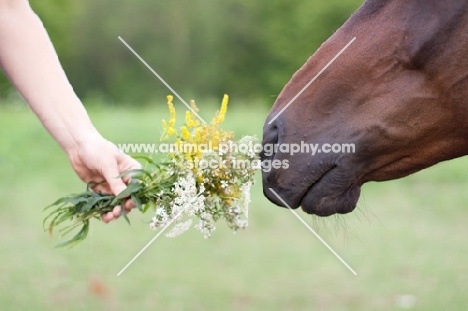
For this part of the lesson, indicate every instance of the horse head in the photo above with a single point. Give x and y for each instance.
(398, 94)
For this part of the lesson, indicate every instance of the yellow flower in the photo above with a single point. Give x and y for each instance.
(222, 112)
(198, 134)
(171, 110)
(190, 120)
(188, 157)
(185, 133)
(195, 134)
(193, 105)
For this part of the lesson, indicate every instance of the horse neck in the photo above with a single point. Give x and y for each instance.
(428, 36)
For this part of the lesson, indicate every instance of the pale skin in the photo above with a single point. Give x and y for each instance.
(28, 58)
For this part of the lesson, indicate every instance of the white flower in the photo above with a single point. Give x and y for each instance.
(160, 219)
(179, 228)
(188, 201)
(153, 225)
(242, 223)
(161, 212)
(228, 197)
(245, 190)
(248, 141)
(205, 225)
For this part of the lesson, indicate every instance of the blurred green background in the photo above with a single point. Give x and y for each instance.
(203, 48)
(406, 239)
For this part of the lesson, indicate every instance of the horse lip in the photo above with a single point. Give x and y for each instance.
(317, 181)
(317, 207)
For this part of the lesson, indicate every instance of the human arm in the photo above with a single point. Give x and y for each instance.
(28, 58)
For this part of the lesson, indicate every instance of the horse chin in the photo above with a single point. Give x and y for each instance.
(325, 201)
(333, 192)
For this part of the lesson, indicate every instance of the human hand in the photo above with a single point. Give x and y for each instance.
(26, 53)
(96, 159)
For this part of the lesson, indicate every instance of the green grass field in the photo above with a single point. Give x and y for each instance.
(406, 240)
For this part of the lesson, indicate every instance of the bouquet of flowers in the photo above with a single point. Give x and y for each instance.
(205, 177)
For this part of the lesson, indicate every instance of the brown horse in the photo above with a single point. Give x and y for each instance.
(399, 93)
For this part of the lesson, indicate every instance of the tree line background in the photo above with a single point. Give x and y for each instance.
(203, 48)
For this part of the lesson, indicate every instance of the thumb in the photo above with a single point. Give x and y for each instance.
(126, 163)
(110, 173)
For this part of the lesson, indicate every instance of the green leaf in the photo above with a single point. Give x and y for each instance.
(93, 202)
(56, 203)
(53, 221)
(56, 212)
(63, 217)
(131, 188)
(80, 236)
(124, 213)
(66, 230)
(75, 200)
(135, 172)
(137, 202)
(146, 207)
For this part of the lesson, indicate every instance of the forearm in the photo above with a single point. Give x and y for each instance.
(28, 58)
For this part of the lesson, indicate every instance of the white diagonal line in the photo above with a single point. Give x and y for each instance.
(149, 243)
(312, 230)
(313, 79)
(160, 78)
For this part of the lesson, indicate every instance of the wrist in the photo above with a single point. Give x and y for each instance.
(80, 139)
(71, 133)
(68, 122)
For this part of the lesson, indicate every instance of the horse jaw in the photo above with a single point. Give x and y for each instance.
(399, 94)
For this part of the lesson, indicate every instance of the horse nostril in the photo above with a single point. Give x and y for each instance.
(270, 138)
